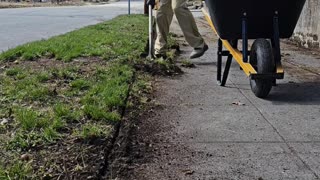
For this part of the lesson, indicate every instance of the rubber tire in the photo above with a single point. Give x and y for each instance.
(262, 59)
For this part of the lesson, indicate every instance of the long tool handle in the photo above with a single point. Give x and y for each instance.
(150, 32)
(129, 7)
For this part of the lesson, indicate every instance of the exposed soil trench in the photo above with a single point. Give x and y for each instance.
(144, 139)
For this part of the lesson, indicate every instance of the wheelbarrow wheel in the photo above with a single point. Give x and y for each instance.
(261, 58)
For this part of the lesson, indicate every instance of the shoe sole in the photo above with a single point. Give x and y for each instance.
(206, 47)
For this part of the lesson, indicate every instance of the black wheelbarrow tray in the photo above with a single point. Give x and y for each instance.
(266, 21)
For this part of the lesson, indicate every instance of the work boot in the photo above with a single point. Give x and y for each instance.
(198, 52)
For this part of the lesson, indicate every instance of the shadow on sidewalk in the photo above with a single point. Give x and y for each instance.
(205, 63)
(305, 93)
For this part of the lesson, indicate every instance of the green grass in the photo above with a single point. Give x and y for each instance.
(80, 84)
(64, 100)
(28, 119)
(109, 40)
(64, 112)
(43, 76)
(13, 71)
(18, 170)
(99, 97)
(91, 131)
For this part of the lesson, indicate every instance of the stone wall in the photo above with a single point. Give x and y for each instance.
(307, 32)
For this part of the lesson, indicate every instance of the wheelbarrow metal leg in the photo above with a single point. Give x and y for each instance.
(219, 63)
(276, 44)
(226, 70)
(222, 53)
(276, 39)
(244, 39)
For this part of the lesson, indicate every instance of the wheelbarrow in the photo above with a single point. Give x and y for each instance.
(264, 21)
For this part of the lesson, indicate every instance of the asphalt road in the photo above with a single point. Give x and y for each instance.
(19, 26)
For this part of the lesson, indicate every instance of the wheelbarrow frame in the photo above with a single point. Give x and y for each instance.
(241, 57)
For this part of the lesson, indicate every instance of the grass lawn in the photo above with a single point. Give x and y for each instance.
(60, 98)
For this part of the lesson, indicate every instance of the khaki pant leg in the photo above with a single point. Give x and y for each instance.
(163, 18)
(187, 23)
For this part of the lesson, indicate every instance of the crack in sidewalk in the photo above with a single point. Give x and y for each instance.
(293, 151)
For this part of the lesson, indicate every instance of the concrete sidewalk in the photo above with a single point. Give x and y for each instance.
(205, 136)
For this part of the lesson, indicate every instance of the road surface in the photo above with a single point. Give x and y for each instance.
(19, 26)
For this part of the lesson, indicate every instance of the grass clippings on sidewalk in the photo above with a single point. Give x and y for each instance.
(60, 99)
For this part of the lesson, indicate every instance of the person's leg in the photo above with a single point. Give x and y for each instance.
(163, 19)
(187, 24)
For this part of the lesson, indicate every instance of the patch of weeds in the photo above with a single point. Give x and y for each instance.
(166, 67)
(36, 128)
(17, 170)
(50, 134)
(160, 66)
(140, 91)
(3, 173)
(18, 73)
(143, 84)
(27, 89)
(27, 118)
(24, 140)
(38, 92)
(13, 71)
(170, 56)
(99, 113)
(80, 84)
(58, 123)
(69, 73)
(187, 64)
(43, 76)
(64, 111)
(91, 131)
(172, 42)
(109, 94)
